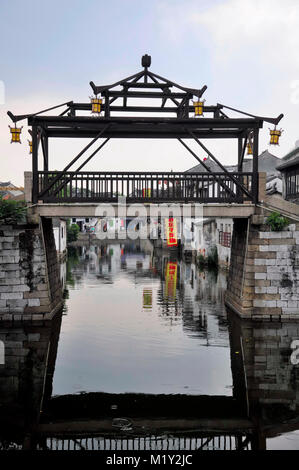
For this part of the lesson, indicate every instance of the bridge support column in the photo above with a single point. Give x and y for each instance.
(264, 272)
(29, 272)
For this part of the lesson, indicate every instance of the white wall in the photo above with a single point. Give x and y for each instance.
(60, 237)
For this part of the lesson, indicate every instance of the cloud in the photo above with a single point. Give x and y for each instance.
(251, 58)
(247, 27)
(269, 27)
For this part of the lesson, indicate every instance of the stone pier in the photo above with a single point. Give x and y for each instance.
(29, 272)
(264, 272)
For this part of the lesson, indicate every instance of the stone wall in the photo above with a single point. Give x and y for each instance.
(26, 374)
(29, 272)
(270, 374)
(265, 367)
(264, 273)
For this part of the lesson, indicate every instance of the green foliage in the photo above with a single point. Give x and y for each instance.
(277, 222)
(65, 191)
(72, 231)
(72, 261)
(11, 212)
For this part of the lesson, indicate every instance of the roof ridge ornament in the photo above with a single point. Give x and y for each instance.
(146, 61)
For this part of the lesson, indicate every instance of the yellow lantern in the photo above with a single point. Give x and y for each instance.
(249, 148)
(96, 105)
(30, 146)
(198, 107)
(15, 134)
(274, 136)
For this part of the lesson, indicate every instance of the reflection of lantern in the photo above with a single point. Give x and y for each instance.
(274, 136)
(171, 280)
(147, 298)
(30, 145)
(96, 105)
(249, 148)
(15, 134)
(198, 107)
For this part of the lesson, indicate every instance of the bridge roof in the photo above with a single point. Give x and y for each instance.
(127, 110)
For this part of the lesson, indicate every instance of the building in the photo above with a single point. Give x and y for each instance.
(267, 163)
(218, 232)
(289, 168)
(60, 235)
(215, 232)
(10, 191)
(86, 224)
(274, 185)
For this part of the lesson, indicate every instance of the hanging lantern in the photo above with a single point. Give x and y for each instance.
(171, 231)
(274, 136)
(198, 107)
(249, 148)
(30, 146)
(15, 134)
(96, 104)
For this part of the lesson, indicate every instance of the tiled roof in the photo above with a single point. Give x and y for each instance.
(289, 163)
(267, 163)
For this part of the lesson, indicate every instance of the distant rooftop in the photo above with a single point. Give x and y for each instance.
(267, 163)
(290, 159)
(10, 191)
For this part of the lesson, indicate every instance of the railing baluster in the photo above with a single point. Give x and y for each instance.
(138, 186)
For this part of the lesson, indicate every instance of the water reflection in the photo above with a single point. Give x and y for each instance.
(144, 322)
(153, 311)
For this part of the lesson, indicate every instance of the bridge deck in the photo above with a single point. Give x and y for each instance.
(94, 209)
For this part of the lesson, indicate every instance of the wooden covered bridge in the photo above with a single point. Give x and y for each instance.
(180, 113)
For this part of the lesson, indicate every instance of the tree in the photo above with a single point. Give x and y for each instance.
(72, 232)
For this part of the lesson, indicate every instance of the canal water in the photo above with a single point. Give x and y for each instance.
(145, 337)
(142, 321)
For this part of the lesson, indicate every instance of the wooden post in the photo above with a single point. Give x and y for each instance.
(34, 165)
(255, 166)
(46, 152)
(240, 168)
(240, 148)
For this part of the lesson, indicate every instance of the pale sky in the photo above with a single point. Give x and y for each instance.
(246, 52)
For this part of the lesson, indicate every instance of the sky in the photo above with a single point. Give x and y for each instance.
(246, 52)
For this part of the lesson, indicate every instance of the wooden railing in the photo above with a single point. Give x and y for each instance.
(146, 187)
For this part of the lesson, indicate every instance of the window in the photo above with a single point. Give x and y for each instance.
(74, 220)
(225, 239)
(292, 183)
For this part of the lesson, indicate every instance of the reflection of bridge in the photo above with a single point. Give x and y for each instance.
(264, 402)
